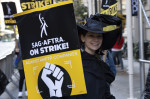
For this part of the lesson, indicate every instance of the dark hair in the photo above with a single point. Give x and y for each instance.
(83, 32)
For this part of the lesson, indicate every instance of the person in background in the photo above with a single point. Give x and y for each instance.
(19, 65)
(117, 52)
(110, 62)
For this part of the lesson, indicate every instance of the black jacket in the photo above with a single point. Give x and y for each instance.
(97, 76)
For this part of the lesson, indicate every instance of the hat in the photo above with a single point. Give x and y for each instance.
(96, 24)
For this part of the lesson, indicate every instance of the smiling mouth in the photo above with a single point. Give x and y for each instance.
(95, 44)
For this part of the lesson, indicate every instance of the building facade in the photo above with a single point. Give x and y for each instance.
(94, 6)
(122, 9)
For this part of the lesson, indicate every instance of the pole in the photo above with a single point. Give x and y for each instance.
(130, 48)
(121, 6)
(90, 7)
(95, 6)
(16, 42)
(99, 6)
(141, 52)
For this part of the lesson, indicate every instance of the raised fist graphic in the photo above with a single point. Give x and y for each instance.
(57, 74)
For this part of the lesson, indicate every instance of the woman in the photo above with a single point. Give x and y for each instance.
(97, 74)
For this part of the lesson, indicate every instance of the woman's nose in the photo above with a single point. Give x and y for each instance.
(96, 38)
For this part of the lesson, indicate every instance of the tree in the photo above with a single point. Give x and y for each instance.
(81, 11)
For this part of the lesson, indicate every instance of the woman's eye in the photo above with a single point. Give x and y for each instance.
(95, 36)
(99, 36)
(91, 35)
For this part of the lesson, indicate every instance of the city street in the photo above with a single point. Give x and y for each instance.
(45, 28)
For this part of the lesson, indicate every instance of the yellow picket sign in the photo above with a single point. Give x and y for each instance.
(111, 10)
(50, 51)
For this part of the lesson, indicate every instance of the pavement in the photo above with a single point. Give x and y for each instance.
(119, 88)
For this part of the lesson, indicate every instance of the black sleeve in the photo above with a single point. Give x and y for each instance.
(108, 73)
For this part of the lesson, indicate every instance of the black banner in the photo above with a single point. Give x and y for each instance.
(9, 8)
(134, 5)
(47, 32)
(32, 4)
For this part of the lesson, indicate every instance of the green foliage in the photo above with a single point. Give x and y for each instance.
(146, 50)
(136, 50)
(81, 11)
(9, 27)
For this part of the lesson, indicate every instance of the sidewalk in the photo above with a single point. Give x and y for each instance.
(119, 88)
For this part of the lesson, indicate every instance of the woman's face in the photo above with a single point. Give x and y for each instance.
(92, 41)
